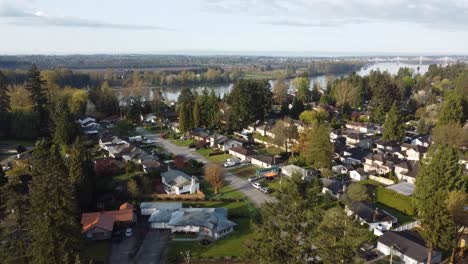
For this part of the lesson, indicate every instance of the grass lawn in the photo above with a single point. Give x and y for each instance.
(246, 171)
(182, 142)
(124, 177)
(370, 182)
(274, 185)
(97, 251)
(232, 245)
(402, 217)
(23, 142)
(215, 159)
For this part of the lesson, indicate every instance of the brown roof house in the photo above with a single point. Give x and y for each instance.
(99, 225)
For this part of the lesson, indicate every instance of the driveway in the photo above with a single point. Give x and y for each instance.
(152, 250)
(120, 251)
(257, 197)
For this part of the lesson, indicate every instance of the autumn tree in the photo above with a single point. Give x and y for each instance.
(285, 131)
(344, 94)
(317, 150)
(457, 202)
(280, 91)
(452, 134)
(301, 84)
(214, 175)
(357, 192)
(311, 116)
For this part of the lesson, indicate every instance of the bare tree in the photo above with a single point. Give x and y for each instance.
(214, 174)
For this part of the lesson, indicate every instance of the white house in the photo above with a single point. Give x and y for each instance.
(241, 153)
(206, 222)
(265, 161)
(178, 182)
(424, 141)
(358, 175)
(379, 163)
(408, 246)
(374, 217)
(289, 170)
(407, 170)
(367, 128)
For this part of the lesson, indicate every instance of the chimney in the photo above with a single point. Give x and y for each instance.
(376, 214)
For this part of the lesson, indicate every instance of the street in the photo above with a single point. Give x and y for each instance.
(257, 197)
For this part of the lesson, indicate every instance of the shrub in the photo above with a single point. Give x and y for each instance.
(395, 200)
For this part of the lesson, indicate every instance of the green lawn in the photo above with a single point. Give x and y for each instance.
(246, 171)
(97, 251)
(215, 159)
(23, 142)
(232, 245)
(402, 217)
(182, 142)
(370, 182)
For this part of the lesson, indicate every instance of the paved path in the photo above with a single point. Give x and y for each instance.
(152, 250)
(257, 197)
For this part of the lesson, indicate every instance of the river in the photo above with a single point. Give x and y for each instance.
(172, 93)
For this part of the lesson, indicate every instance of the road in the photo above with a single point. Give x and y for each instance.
(257, 197)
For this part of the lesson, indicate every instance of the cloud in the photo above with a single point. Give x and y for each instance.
(21, 13)
(446, 14)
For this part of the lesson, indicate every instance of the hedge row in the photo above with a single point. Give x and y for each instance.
(395, 200)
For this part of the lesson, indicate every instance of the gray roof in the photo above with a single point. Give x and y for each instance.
(408, 242)
(370, 213)
(212, 218)
(176, 178)
(159, 206)
(404, 188)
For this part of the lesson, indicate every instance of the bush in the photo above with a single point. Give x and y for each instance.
(395, 200)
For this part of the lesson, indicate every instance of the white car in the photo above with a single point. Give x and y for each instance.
(256, 185)
(128, 232)
(228, 164)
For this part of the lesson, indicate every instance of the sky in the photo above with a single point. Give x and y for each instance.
(311, 27)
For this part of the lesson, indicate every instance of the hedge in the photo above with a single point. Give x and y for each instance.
(395, 200)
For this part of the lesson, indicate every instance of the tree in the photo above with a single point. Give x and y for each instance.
(35, 85)
(297, 108)
(315, 94)
(133, 189)
(65, 127)
(280, 91)
(196, 114)
(186, 103)
(311, 116)
(439, 174)
(81, 174)
(393, 126)
(55, 234)
(357, 192)
(317, 150)
(3, 178)
(456, 204)
(285, 131)
(339, 237)
(344, 93)
(452, 134)
(423, 127)
(4, 97)
(287, 228)
(301, 84)
(214, 174)
(452, 110)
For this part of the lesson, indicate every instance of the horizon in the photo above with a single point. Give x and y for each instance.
(238, 27)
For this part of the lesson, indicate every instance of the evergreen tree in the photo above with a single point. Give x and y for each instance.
(315, 95)
(393, 126)
(213, 110)
(36, 87)
(81, 174)
(452, 110)
(186, 102)
(55, 234)
(439, 174)
(4, 97)
(287, 228)
(65, 127)
(316, 149)
(297, 108)
(3, 178)
(339, 237)
(196, 114)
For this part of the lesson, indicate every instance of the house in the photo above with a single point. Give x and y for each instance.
(85, 120)
(341, 169)
(175, 127)
(150, 118)
(264, 131)
(150, 165)
(289, 170)
(408, 246)
(379, 163)
(414, 152)
(353, 156)
(424, 141)
(333, 187)
(356, 138)
(386, 146)
(407, 170)
(178, 182)
(374, 217)
(241, 153)
(200, 135)
(217, 141)
(335, 134)
(99, 225)
(265, 161)
(358, 175)
(205, 222)
(366, 128)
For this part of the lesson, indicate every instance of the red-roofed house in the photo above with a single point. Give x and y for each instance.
(99, 225)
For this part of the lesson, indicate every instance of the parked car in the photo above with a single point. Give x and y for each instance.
(265, 189)
(256, 185)
(228, 164)
(128, 232)
(255, 178)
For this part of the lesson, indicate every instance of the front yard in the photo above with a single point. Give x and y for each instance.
(244, 172)
(205, 152)
(183, 142)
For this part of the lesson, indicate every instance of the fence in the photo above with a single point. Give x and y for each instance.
(408, 226)
(382, 180)
(185, 197)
